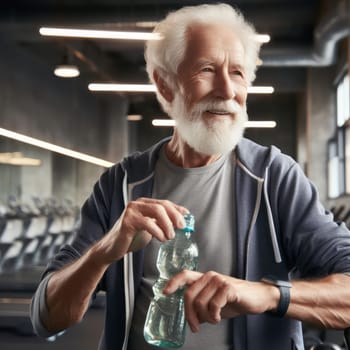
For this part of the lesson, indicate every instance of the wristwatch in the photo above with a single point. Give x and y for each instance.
(284, 287)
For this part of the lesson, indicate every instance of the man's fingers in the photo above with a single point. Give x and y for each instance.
(152, 218)
(207, 296)
(158, 217)
(183, 278)
(174, 211)
(217, 302)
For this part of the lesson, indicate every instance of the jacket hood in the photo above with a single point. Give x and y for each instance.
(140, 165)
(254, 157)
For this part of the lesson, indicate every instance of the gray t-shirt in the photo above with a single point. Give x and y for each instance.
(208, 192)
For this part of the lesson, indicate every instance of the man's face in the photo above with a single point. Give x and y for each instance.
(210, 106)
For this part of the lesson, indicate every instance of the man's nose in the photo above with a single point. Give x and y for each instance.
(224, 86)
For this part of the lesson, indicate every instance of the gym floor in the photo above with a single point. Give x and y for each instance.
(84, 336)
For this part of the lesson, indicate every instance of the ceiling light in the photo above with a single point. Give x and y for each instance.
(260, 124)
(54, 148)
(134, 117)
(122, 87)
(98, 34)
(163, 122)
(260, 89)
(66, 71)
(106, 87)
(248, 124)
(133, 114)
(263, 38)
(16, 158)
(116, 35)
(146, 24)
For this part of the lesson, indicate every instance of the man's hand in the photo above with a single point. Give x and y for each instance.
(212, 296)
(141, 220)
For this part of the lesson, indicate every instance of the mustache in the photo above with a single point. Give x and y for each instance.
(229, 106)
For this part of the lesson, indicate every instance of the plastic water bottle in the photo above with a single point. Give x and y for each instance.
(165, 321)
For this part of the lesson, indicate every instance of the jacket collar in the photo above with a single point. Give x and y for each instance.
(255, 158)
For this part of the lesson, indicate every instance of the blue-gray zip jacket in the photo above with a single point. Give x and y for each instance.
(282, 230)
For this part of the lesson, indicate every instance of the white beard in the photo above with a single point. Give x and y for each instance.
(216, 136)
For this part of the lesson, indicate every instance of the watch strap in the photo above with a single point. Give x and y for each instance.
(284, 288)
(283, 302)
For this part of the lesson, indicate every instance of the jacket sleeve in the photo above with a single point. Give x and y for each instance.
(38, 310)
(311, 240)
(95, 221)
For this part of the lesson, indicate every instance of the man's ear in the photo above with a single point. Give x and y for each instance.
(162, 87)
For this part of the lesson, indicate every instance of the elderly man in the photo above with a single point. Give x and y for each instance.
(270, 255)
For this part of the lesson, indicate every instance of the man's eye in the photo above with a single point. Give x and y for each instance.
(207, 69)
(237, 72)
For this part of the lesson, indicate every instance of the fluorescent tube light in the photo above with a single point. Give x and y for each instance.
(116, 35)
(249, 124)
(260, 124)
(122, 87)
(22, 161)
(163, 122)
(263, 38)
(146, 24)
(98, 34)
(260, 89)
(110, 87)
(16, 158)
(54, 148)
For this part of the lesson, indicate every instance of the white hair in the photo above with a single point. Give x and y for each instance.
(165, 55)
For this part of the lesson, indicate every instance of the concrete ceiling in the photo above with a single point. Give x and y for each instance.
(303, 33)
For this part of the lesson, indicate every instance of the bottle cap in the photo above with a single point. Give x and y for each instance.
(189, 220)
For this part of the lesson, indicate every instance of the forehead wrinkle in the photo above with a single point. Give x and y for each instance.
(216, 55)
(202, 61)
(203, 48)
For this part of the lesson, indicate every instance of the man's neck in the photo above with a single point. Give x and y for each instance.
(181, 154)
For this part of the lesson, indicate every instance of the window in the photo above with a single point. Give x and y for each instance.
(347, 158)
(343, 97)
(333, 169)
(339, 146)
